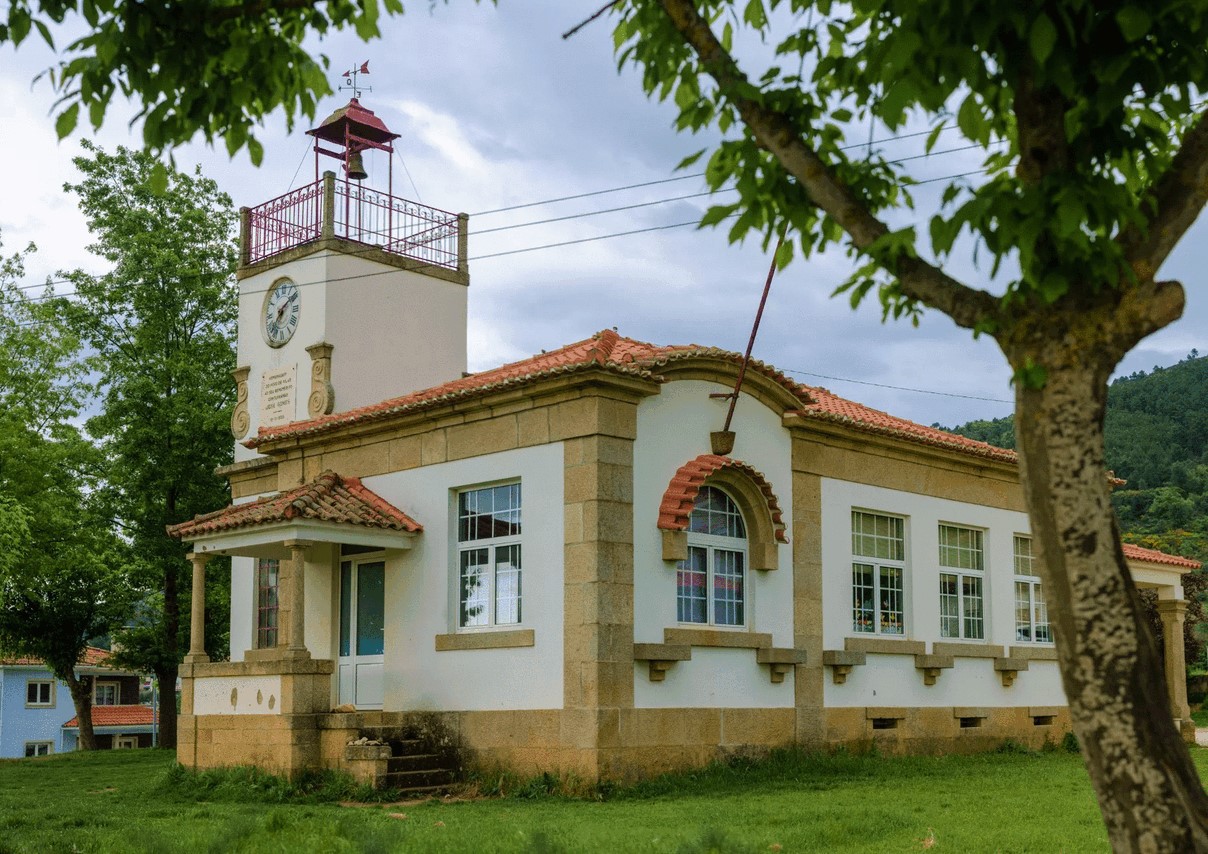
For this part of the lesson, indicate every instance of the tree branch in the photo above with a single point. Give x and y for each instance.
(968, 307)
(1176, 200)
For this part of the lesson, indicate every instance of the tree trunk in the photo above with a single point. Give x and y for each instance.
(1149, 792)
(167, 705)
(81, 697)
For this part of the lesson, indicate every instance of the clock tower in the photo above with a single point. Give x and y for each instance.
(348, 295)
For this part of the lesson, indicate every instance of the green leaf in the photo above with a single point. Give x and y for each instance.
(1134, 22)
(158, 179)
(1043, 38)
(66, 121)
(690, 159)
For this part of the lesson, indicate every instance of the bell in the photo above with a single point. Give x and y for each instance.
(356, 167)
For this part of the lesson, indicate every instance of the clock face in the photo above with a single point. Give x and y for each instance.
(282, 306)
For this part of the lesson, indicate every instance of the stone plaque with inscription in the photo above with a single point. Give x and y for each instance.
(277, 394)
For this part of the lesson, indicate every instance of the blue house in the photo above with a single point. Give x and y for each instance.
(37, 716)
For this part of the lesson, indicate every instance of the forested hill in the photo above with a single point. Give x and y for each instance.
(1157, 440)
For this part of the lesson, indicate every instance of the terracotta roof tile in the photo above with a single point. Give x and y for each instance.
(93, 657)
(1133, 552)
(328, 498)
(117, 716)
(681, 493)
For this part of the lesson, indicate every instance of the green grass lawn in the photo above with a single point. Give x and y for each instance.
(133, 801)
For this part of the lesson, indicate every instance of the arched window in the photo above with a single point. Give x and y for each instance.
(711, 583)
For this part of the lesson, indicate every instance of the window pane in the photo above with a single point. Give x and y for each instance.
(1040, 610)
(864, 594)
(371, 600)
(345, 608)
(1023, 556)
(1023, 611)
(878, 536)
(267, 586)
(892, 617)
(960, 548)
(971, 589)
(727, 588)
(950, 626)
(475, 604)
(507, 584)
(484, 514)
(691, 578)
(715, 513)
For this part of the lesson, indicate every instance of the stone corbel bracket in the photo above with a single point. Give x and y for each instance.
(841, 661)
(660, 657)
(1009, 668)
(780, 659)
(322, 398)
(931, 665)
(241, 419)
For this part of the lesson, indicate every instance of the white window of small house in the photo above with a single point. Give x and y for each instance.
(38, 748)
(711, 583)
(268, 589)
(105, 694)
(878, 570)
(489, 556)
(962, 574)
(40, 692)
(1031, 610)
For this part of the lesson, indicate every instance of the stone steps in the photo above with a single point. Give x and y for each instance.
(404, 761)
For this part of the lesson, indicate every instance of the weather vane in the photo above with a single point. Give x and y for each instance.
(350, 78)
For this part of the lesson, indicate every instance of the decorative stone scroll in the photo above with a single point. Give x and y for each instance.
(322, 398)
(241, 419)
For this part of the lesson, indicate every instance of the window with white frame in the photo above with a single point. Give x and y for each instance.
(105, 694)
(1031, 610)
(488, 556)
(40, 692)
(878, 573)
(268, 588)
(962, 574)
(38, 748)
(711, 583)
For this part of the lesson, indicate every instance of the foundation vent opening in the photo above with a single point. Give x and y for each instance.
(971, 723)
(884, 723)
(1042, 720)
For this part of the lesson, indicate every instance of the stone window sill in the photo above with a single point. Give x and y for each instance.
(486, 640)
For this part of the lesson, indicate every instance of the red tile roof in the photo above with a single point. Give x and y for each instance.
(1133, 552)
(93, 657)
(328, 498)
(681, 492)
(614, 353)
(116, 716)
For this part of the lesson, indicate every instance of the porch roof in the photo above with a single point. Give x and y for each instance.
(331, 508)
(117, 716)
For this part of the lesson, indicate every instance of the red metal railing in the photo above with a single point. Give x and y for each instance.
(343, 209)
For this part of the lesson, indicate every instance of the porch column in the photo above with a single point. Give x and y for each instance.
(1173, 613)
(197, 620)
(297, 599)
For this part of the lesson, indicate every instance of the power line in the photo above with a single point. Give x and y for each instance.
(894, 387)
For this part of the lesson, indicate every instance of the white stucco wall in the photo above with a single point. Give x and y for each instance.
(393, 331)
(421, 589)
(673, 428)
(893, 680)
(237, 695)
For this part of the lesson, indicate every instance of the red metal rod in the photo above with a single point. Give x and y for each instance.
(742, 369)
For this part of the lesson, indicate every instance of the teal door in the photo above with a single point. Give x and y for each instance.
(362, 633)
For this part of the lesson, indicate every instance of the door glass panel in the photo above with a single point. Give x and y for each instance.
(371, 590)
(345, 607)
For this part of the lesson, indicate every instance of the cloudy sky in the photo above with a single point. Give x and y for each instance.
(496, 110)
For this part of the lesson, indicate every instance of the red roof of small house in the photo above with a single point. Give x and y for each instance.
(93, 657)
(1133, 552)
(681, 493)
(328, 498)
(117, 716)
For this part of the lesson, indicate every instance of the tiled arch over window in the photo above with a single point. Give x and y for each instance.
(750, 491)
